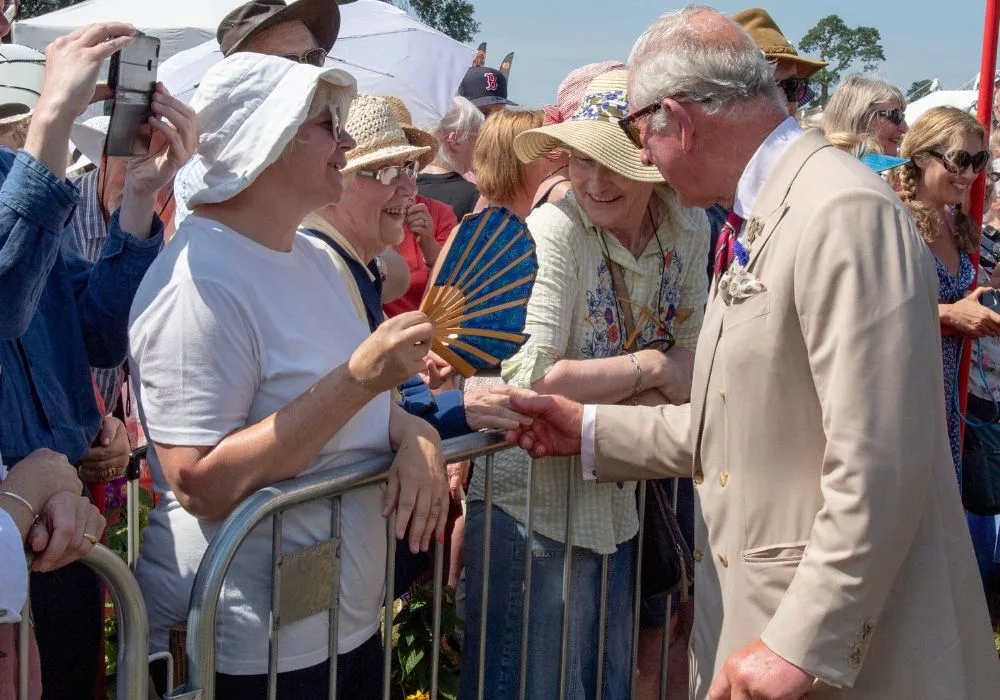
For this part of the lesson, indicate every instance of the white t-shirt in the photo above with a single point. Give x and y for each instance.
(223, 333)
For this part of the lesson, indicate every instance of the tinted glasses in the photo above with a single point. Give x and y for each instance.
(795, 89)
(314, 57)
(630, 124)
(896, 116)
(957, 161)
(391, 173)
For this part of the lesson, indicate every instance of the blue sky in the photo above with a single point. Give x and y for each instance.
(921, 38)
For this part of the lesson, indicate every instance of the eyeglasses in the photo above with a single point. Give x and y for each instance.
(794, 88)
(390, 174)
(314, 57)
(896, 116)
(630, 123)
(957, 161)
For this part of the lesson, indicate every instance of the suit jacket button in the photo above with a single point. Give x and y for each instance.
(699, 479)
(698, 554)
(723, 479)
(724, 561)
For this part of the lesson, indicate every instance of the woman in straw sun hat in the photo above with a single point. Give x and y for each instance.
(252, 367)
(613, 316)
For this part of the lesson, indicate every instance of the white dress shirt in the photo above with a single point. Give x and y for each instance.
(13, 566)
(756, 173)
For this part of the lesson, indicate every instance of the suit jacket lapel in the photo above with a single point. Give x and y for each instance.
(768, 211)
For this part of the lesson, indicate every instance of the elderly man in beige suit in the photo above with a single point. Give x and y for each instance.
(833, 557)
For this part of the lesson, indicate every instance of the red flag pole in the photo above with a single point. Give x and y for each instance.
(984, 113)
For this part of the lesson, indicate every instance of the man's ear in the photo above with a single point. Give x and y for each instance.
(680, 123)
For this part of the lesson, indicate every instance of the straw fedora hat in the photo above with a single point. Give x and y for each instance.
(416, 137)
(379, 136)
(593, 130)
(766, 34)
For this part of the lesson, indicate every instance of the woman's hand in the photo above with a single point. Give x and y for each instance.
(969, 317)
(488, 408)
(393, 353)
(41, 475)
(418, 487)
(173, 142)
(421, 224)
(109, 456)
(436, 371)
(666, 374)
(67, 529)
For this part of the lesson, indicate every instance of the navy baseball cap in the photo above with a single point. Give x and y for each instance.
(484, 87)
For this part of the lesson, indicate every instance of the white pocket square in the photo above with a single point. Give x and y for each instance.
(737, 285)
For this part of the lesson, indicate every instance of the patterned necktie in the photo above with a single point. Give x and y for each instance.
(724, 245)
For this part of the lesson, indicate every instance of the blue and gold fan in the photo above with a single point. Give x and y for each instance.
(478, 299)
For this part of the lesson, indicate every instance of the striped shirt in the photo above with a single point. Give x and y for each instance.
(91, 234)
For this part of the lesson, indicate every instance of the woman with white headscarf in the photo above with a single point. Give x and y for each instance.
(252, 368)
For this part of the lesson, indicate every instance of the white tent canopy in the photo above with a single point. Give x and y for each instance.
(962, 99)
(178, 24)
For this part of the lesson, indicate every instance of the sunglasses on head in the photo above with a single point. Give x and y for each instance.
(314, 57)
(897, 116)
(957, 161)
(390, 174)
(794, 88)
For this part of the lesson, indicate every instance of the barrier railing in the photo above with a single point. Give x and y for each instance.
(133, 627)
(314, 575)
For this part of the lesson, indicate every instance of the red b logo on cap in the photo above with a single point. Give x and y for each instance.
(491, 82)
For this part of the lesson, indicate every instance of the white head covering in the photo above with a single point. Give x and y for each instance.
(249, 107)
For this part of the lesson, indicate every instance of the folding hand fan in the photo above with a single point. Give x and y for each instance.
(477, 302)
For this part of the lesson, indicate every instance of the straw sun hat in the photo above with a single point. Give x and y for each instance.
(593, 130)
(376, 129)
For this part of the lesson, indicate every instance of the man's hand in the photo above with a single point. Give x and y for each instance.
(109, 456)
(174, 141)
(68, 528)
(556, 425)
(757, 672)
(489, 408)
(418, 487)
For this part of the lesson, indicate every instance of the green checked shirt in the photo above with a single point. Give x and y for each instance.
(572, 314)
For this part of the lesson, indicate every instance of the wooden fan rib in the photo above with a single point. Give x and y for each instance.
(443, 320)
(473, 293)
(474, 351)
(492, 309)
(465, 251)
(476, 268)
(460, 364)
(478, 271)
(518, 338)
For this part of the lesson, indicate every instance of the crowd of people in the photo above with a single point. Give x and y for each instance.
(726, 294)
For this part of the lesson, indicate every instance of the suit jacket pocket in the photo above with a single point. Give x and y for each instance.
(747, 310)
(769, 572)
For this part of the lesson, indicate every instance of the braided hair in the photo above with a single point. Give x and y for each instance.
(941, 129)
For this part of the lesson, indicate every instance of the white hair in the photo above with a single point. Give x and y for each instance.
(683, 56)
(462, 119)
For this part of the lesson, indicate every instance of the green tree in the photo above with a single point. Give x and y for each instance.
(452, 17)
(33, 8)
(842, 47)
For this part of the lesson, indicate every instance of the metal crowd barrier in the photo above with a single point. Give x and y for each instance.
(133, 627)
(306, 582)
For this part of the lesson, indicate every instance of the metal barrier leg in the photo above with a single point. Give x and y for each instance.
(24, 645)
(637, 604)
(390, 578)
(436, 624)
(274, 623)
(334, 595)
(484, 603)
(602, 625)
(567, 583)
(665, 650)
(528, 561)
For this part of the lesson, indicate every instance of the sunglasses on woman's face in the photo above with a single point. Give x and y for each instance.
(957, 161)
(794, 88)
(390, 174)
(896, 116)
(314, 57)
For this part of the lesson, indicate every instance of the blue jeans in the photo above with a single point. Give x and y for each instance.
(506, 603)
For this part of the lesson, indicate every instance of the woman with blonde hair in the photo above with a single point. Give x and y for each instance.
(947, 150)
(502, 178)
(866, 111)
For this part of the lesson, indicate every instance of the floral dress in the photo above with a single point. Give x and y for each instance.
(950, 290)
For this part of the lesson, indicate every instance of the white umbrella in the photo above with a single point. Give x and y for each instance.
(964, 100)
(387, 51)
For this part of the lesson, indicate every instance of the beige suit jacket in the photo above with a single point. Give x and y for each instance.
(828, 522)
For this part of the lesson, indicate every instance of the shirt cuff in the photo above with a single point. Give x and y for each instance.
(13, 573)
(34, 192)
(588, 462)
